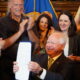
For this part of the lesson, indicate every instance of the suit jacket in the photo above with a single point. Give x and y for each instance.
(60, 69)
(76, 70)
(74, 45)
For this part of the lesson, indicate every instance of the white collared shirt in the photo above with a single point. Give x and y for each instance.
(42, 76)
(66, 48)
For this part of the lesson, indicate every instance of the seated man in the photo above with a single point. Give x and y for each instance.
(59, 68)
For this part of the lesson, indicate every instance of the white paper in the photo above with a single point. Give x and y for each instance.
(23, 58)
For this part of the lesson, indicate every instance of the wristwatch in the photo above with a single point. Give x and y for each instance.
(40, 72)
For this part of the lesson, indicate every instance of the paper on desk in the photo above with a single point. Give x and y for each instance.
(23, 58)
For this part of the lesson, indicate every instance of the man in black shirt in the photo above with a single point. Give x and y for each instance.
(12, 31)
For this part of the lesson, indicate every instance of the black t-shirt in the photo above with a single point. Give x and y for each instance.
(9, 27)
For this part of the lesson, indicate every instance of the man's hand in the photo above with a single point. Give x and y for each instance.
(2, 42)
(15, 67)
(22, 25)
(34, 67)
(77, 58)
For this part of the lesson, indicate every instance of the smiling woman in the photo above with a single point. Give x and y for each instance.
(67, 25)
(44, 24)
(64, 22)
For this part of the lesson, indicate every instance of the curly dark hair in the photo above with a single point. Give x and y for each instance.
(72, 28)
(50, 22)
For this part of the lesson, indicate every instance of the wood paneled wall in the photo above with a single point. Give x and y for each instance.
(3, 8)
(72, 6)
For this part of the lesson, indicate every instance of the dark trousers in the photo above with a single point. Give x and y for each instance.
(6, 69)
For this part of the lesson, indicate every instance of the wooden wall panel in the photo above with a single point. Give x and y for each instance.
(72, 6)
